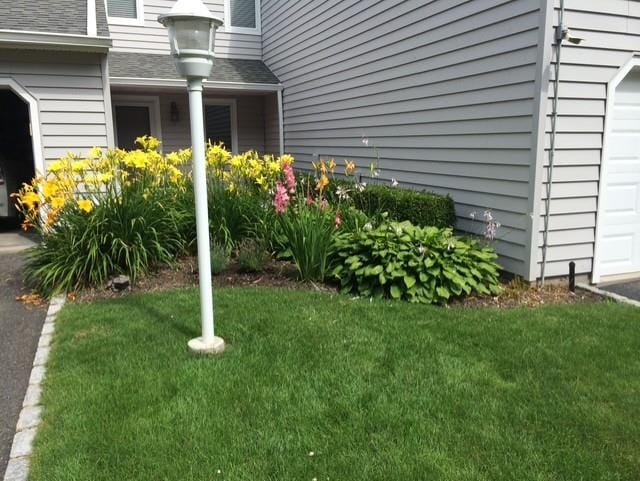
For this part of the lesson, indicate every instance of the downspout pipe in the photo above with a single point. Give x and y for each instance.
(559, 36)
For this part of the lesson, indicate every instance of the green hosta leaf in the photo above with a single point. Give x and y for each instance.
(409, 281)
(443, 292)
(395, 292)
(382, 279)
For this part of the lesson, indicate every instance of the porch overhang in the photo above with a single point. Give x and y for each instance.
(134, 70)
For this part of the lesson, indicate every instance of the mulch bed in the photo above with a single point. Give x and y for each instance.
(283, 274)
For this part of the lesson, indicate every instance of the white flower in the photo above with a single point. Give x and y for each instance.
(473, 215)
(394, 183)
(368, 226)
(399, 230)
(365, 141)
(376, 173)
(360, 187)
(311, 453)
(488, 216)
(422, 249)
(343, 193)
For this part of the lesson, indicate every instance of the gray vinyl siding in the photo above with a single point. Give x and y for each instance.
(69, 91)
(611, 31)
(152, 37)
(443, 88)
(177, 135)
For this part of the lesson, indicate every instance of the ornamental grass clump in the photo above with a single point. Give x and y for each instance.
(112, 212)
(418, 264)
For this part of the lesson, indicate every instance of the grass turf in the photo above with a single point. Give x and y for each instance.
(377, 391)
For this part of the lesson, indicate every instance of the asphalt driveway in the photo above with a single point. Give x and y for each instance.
(20, 328)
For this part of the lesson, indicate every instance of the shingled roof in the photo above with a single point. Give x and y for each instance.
(136, 65)
(51, 16)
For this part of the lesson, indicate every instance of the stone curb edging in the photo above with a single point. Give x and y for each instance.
(29, 419)
(611, 295)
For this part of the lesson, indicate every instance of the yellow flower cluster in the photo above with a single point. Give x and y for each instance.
(248, 170)
(74, 182)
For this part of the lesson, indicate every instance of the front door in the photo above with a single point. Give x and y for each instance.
(619, 246)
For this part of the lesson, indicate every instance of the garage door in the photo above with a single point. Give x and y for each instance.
(620, 213)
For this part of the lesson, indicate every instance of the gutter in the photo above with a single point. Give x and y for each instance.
(137, 82)
(53, 41)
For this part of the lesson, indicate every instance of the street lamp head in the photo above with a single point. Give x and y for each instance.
(192, 30)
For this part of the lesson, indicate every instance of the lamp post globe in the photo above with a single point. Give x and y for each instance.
(192, 31)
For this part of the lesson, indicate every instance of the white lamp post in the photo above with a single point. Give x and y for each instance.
(192, 31)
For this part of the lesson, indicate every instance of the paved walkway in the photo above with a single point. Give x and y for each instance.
(630, 289)
(20, 328)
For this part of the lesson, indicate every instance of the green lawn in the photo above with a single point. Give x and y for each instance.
(377, 391)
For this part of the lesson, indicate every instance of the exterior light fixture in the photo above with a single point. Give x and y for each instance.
(192, 31)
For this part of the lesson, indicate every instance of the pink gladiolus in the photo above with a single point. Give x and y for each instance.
(281, 200)
(338, 220)
(310, 200)
(324, 204)
(289, 178)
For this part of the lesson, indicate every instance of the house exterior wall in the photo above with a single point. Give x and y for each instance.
(69, 90)
(152, 37)
(250, 119)
(445, 89)
(611, 33)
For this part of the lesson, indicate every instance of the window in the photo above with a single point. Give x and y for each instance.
(242, 16)
(135, 116)
(127, 12)
(220, 122)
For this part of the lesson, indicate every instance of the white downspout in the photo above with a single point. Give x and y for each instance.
(280, 122)
(552, 150)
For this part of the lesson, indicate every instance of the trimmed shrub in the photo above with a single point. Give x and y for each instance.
(419, 264)
(419, 208)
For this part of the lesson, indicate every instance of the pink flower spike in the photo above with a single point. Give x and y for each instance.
(310, 200)
(338, 220)
(324, 204)
(281, 200)
(289, 178)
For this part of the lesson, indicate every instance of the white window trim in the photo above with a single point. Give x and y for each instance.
(139, 20)
(151, 102)
(248, 31)
(234, 118)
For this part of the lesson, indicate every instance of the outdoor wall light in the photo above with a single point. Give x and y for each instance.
(192, 31)
(174, 113)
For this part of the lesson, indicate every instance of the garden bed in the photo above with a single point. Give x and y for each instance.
(283, 274)
(319, 386)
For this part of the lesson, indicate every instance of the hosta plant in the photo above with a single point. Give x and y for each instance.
(419, 264)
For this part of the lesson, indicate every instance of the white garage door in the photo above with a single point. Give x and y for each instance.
(619, 244)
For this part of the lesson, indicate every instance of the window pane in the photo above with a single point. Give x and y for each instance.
(218, 124)
(131, 123)
(122, 8)
(243, 13)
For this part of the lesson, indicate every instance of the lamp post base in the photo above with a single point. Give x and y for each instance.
(198, 346)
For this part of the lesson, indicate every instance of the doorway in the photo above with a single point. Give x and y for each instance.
(16, 153)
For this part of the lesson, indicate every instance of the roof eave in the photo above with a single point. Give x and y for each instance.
(57, 41)
(209, 84)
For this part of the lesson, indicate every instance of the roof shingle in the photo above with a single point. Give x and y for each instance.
(137, 65)
(51, 16)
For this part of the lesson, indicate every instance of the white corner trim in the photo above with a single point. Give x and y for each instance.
(211, 85)
(30, 415)
(92, 24)
(108, 108)
(633, 62)
(234, 118)
(34, 119)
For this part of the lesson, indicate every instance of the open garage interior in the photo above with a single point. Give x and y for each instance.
(16, 154)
